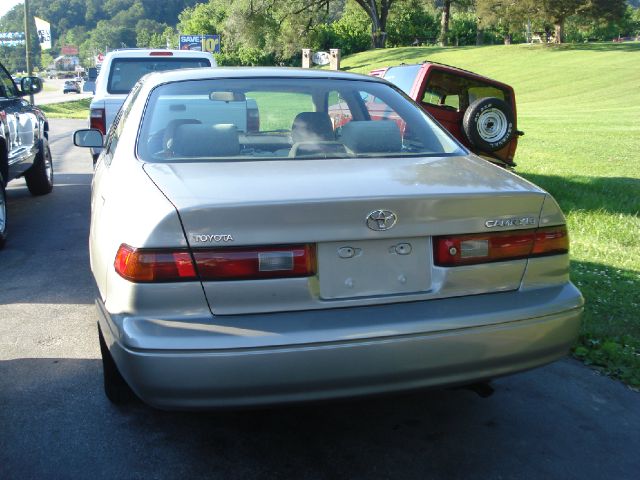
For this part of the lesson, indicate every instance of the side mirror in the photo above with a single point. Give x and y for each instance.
(88, 137)
(30, 85)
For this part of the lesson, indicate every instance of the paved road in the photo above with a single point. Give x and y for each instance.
(562, 421)
(53, 93)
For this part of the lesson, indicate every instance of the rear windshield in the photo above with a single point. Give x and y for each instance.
(125, 72)
(403, 76)
(249, 119)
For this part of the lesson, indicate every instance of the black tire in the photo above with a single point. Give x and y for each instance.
(115, 386)
(488, 124)
(40, 176)
(3, 213)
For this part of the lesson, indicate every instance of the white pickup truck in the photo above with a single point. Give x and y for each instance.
(121, 70)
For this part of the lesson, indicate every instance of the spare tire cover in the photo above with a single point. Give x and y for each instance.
(488, 124)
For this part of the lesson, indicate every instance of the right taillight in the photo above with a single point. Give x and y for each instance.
(97, 120)
(551, 241)
(472, 249)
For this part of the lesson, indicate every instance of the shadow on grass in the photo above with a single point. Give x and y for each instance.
(596, 47)
(612, 194)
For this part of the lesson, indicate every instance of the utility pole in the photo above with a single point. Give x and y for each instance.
(27, 42)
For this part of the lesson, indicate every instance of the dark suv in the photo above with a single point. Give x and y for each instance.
(24, 148)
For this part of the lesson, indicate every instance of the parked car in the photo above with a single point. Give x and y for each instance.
(71, 86)
(120, 71)
(24, 147)
(306, 262)
(478, 111)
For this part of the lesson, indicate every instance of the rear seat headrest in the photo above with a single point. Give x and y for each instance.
(371, 136)
(312, 126)
(194, 140)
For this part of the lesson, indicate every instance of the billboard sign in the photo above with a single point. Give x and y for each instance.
(69, 50)
(44, 33)
(11, 39)
(200, 43)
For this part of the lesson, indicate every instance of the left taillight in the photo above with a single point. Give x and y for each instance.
(154, 265)
(246, 263)
(473, 249)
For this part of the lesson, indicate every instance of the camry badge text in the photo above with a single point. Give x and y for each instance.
(380, 220)
(510, 222)
(211, 238)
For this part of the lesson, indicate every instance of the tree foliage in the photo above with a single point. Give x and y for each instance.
(274, 31)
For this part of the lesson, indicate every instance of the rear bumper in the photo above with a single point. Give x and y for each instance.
(298, 356)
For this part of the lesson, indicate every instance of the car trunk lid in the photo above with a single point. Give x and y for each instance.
(340, 207)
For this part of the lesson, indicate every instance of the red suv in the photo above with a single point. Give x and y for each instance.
(478, 111)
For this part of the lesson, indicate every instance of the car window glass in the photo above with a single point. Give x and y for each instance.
(279, 109)
(456, 92)
(245, 119)
(484, 92)
(338, 109)
(125, 72)
(7, 87)
(117, 126)
(403, 76)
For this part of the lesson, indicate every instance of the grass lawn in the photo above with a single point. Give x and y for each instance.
(72, 109)
(579, 106)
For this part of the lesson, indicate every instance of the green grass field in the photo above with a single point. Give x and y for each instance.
(579, 106)
(71, 109)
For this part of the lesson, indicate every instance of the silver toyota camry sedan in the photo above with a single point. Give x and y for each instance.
(263, 236)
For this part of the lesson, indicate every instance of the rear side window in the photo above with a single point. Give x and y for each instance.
(403, 76)
(125, 72)
(455, 92)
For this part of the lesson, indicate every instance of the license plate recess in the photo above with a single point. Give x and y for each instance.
(374, 267)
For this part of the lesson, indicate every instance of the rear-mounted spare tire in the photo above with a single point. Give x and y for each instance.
(488, 124)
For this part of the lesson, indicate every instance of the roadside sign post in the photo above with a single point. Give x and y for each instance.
(27, 43)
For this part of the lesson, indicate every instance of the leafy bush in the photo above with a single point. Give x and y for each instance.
(351, 33)
(463, 28)
(408, 22)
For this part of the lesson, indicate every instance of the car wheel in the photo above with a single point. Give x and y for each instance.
(3, 213)
(115, 386)
(488, 124)
(40, 176)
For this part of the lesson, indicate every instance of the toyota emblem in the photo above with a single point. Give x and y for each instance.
(380, 220)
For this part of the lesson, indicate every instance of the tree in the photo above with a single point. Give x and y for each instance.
(445, 18)
(557, 11)
(507, 16)
(378, 12)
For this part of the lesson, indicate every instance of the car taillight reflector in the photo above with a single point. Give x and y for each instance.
(256, 262)
(97, 119)
(550, 241)
(149, 265)
(161, 54)
(166, 265)
(454, 250)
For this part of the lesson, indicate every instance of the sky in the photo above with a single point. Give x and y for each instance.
(6, 5)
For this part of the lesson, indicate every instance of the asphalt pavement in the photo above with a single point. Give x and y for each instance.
(562, 421)
(53, 93)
